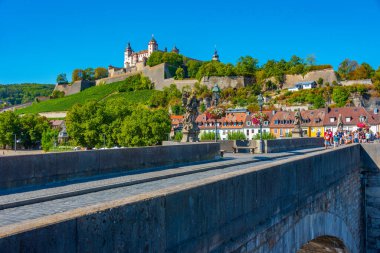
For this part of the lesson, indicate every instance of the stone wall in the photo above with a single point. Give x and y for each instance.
(274, 207)
(27, 170)
(371, 176)
(226, 81)
(352, 82)
(328, 75)
(75, 87)
(286, 144)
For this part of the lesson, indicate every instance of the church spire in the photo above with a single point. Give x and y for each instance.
(215, 57)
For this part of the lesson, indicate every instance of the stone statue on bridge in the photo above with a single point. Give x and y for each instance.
(190, 129)
(340, 123)
(297, 130)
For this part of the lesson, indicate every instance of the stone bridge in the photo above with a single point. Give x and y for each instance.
(324, 201)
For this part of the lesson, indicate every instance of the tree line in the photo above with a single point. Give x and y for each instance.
(14, 94)
(89, 74)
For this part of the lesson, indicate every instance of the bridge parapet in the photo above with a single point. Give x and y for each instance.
(267, 208)
(38, 169)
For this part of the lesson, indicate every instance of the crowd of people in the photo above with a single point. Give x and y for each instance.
(347, 137)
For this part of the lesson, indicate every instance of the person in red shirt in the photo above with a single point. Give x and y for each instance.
(327, 139)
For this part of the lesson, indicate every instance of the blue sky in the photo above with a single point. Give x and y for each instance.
(40, 39)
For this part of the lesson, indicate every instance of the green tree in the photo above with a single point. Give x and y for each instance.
(295, 60)
(310, 60)
(346, 67)
(88, 74)
(246, 66)
(145, 128)
(340, 95)
(363, 71)
(9, 126)
(318, 101)
(32, 126)
(158, 99)
(48, 138)
(155, 58)
(84, 122)
(173, 59)
(77, 75)
(179, 74)
(376, 79)
(320, 81)
(100, 72)
(192, 68)
(61, 79)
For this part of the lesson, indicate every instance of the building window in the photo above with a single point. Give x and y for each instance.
(348, 119)
(248, 123)
(275, 131)
(332, 119)
(253, 131)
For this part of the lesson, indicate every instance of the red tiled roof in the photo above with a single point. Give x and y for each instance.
(310, 118)
(353, 113)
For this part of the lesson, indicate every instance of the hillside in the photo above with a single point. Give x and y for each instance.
(14, 94)
(97, 93)
(334, 96)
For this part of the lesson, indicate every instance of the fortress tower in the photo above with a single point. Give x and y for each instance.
(131, 58)
(152, 46)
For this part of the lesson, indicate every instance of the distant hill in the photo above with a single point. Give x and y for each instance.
(97, 93)
(15, 94)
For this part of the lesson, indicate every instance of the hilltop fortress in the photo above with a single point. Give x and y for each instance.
(135, 62)
(160, 75)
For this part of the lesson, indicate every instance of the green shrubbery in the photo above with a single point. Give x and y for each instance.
(208, 136)
(236, 136)
(266, 136)
(136, 82)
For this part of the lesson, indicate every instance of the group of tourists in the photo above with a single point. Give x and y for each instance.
(347, 137)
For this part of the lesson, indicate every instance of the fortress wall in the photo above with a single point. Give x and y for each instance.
(328, 75)
(352, 82)
(75, 87)
(226, 81)
(69, 89)
(38, 169)
(156, 74)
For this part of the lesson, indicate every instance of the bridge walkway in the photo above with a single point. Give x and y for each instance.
(20, 206)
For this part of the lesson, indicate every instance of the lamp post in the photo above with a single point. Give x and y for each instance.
(15, 143)
(260, 101)
(216, 94)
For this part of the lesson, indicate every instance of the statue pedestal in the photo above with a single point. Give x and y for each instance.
(190, 136)
(297, 132)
